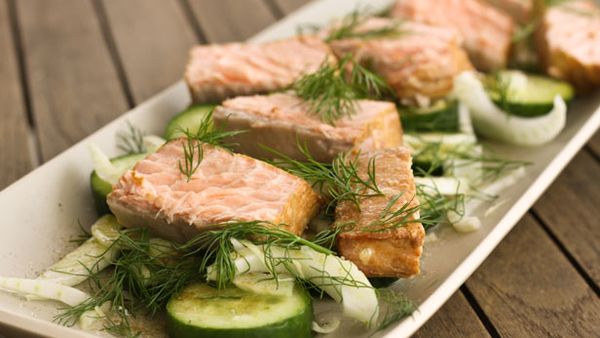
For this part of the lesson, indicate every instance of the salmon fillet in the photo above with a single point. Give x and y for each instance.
(281, 121)
(419, 64)
(225, 187)
(520, 10)
(487, 32)
(390, 252)
(569, 43)
(215, 72)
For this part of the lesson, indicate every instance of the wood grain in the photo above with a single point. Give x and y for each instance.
(229, 20)
(288, 6)
(152, 39)
(570, 209)
(14, 153)
(74, 85)
(527, 288)
(594, 144)
(455, 319)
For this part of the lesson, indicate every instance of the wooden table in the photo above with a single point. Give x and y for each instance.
(67, 67)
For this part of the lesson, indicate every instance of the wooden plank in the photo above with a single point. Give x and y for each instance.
(14, 154)
(527, 288)
(570, 210)
(594, 144)
(455, 319)
(231, 20)
(288, 6)
(74, 85)
(152, 39)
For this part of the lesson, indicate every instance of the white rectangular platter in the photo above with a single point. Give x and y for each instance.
(40, 211)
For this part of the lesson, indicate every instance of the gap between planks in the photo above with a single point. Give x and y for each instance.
(33, 141)
(561, 247)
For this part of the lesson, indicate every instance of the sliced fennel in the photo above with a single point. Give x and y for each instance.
(337, 277)
(492, 122)
(264, 283)
(92, 256)
(444, 185)
(110, 172)
(44, 289)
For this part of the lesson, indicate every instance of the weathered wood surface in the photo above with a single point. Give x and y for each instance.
(74, 85)
(527, 288)
(15, 159)
(86, 61)
(151, 37)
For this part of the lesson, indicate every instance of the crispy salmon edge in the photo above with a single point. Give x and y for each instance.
(406, 242)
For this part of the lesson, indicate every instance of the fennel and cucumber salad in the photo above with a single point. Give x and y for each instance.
(264, 276)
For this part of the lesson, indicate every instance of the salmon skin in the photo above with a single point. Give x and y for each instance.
(487, 31)
(568, 40)
(225, 187)
(419, 63)
(215, 72)
(283, 121)
(377, 249)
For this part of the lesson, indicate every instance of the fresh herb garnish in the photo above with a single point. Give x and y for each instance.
(332, 90)
(193, 150)
(338, 181)
(143, 278)
(349, 28)
(132, 140)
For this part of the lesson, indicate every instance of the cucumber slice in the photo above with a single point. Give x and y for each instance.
(525, 95)
(101, 188)
(496, 124)
(189, 119)
(200, 310)
(441, 116)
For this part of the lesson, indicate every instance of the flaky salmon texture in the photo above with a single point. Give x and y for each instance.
(569, 41)
(391, 248)
(419, 63)
(218, 71)
(284, 121)
(225, 187)
(487, 31)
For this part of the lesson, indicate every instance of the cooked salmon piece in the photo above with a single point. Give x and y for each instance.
(377, 248)
(225, 187)
(487, 31)
(568, 40)
(215, 72)
(282, 121)
(520, 10)
(419, 63)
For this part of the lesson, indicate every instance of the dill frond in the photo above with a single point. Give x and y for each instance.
(206, 133)
(331, 92)
(349, 28)
(131, 141)
(395, 306)
(338, 181)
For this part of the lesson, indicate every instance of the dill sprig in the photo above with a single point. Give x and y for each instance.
(338, 181)
(131, 141)
(206, 133)
(395, 306)
(438, 158)
(349, 28)
(216, 246)
(143, 278)
(333, 89)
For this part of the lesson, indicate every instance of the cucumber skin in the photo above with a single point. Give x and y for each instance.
(172, 130)
(101, 188)
(439, 120)
(300, 326)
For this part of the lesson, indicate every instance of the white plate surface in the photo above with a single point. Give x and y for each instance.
(40, 211)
